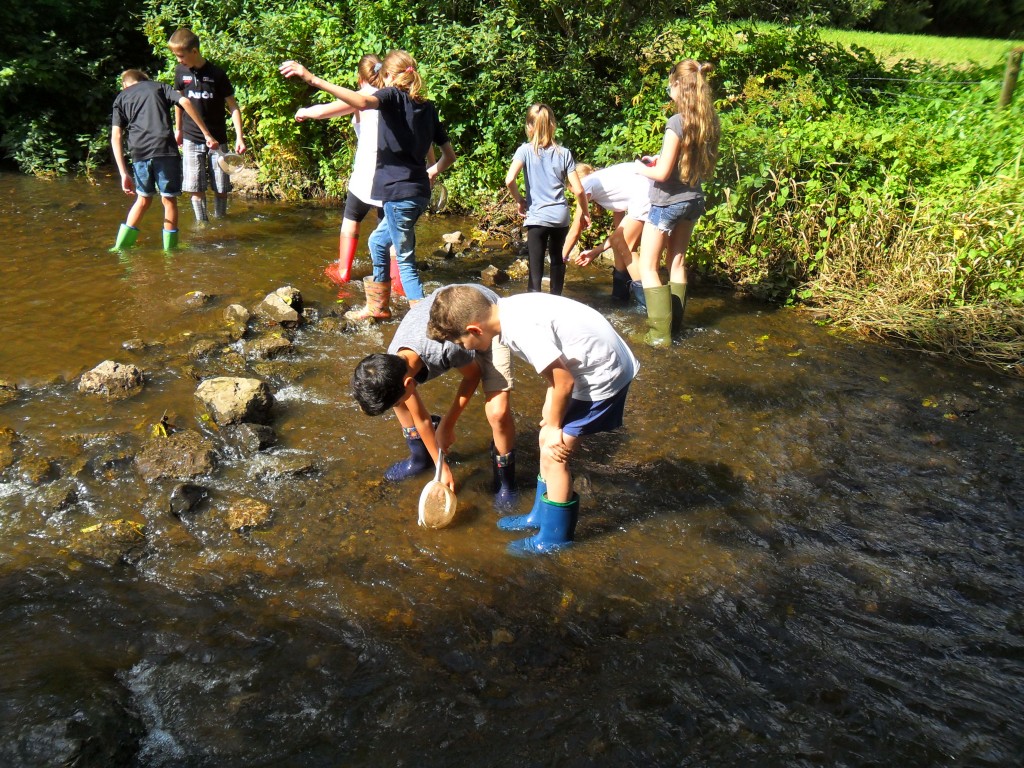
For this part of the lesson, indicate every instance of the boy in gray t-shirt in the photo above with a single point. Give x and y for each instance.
(391, 380)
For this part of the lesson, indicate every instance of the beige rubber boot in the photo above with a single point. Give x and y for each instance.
(378, 303)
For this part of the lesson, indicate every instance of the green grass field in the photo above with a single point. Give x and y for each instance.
(954, 51)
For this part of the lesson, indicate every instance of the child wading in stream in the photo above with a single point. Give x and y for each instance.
(688, 155)
(408, 126)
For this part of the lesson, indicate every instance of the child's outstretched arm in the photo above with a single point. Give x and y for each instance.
(412, 412)
(589, 255)
(513, 185)
(582, 200)
(324, 111)
(350, 97)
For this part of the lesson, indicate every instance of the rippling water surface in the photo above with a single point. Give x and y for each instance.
(804, 548)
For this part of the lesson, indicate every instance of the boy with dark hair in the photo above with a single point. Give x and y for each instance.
(143, 110)
(588, 368)
(391, 380)
(208, 87)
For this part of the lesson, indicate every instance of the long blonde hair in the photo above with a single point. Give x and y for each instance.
(698, 150)
(404, 75)
(541, 126)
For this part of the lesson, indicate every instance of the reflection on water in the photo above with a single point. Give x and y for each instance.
(802, 550)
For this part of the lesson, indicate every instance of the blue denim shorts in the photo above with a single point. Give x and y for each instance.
(158, 174)
(666, 217)
(587, 418)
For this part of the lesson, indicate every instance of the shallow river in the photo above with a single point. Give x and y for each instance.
(803, 549)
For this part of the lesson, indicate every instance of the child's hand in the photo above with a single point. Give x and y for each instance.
(585, 257)
(293, 69)
(212, 143)
(551, 443)
(447, 478)
(127, 184)
(522, 208)
(240, 146)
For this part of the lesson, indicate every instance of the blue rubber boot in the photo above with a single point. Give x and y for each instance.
(504, 483)
(419, 460)
(557, 526)
(529, 520)
(639, 297)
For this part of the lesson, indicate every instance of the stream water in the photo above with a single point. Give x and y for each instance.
(802, 549)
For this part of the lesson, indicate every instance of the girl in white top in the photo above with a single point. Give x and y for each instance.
(548, 169)
(359, 201)
(626, 193)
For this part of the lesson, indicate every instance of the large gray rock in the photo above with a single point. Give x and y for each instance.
(232, 400)
(111, 379)
(182, 456)
(283, 306)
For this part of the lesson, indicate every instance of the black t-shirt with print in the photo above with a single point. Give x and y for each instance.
(207, 88)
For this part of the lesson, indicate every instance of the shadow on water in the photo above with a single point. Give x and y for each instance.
(802, 549)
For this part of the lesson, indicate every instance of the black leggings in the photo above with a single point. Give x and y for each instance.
(550, 239)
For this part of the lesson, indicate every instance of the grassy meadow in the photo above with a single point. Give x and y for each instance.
(937, 51)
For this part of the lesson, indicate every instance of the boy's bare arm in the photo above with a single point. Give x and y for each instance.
(556, 405)
(470, 381)
(116, 146)
(191, 111)
(179, 134)
(236, 120)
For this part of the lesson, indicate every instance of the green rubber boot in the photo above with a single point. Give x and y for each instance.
(170, 239)
(126, 237)
(678, 291)
(659, 316)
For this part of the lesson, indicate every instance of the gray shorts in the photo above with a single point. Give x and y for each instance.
(496, 367)
(200, 169)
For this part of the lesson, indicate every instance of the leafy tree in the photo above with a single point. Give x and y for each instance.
(58, 77)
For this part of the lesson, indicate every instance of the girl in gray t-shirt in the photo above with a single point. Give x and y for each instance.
(548, 168)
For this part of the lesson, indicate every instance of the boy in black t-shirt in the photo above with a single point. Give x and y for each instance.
(143, 110)
(208, 88)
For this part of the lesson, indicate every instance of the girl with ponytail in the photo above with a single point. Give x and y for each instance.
(688, 155)
(408, 127)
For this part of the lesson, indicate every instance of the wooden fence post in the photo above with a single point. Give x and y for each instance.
(1010, 78)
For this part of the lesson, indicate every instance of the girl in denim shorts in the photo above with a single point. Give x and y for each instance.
(688, 154)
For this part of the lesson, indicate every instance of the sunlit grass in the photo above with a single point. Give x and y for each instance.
(927, 48)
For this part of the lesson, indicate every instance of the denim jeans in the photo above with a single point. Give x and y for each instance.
(398, 228)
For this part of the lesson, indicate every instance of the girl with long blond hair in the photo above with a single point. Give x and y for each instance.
(408, 126)
(548, 168)
(688, 155)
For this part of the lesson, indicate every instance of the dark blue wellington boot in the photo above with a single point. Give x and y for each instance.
(529, 520)
(639, 297)
(620, 285)
(419, 460)
(557, 526)
(504, 483)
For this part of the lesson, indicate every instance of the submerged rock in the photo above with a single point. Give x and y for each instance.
(112, 541)
(248, 513)
(269, 347)
(111, 379)
(185, 497)
(181, 456)
(194, 300)
(246, 440)
(8, 391)
(7, 438)
(231, 400)
(492, 276)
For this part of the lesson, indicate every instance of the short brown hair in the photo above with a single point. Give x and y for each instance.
(184, 39)
(454, 308)
(132, 76)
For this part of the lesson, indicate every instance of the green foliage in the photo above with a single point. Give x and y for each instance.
(58, 77)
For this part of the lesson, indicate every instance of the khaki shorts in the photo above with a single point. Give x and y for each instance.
(496, 367)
